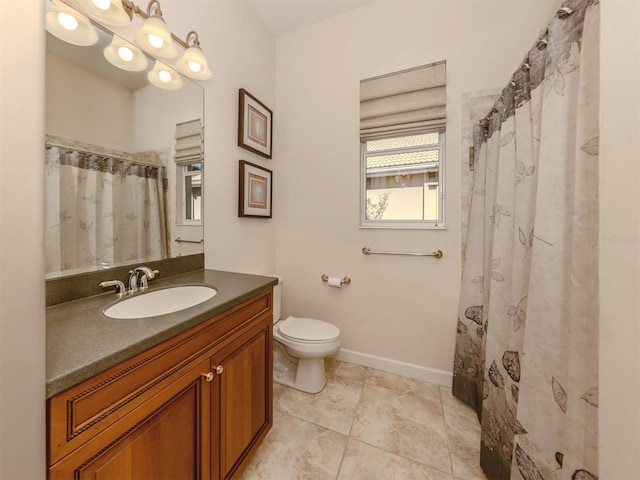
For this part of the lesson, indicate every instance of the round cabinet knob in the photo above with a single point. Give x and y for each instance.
(208, 376)
(219, 369)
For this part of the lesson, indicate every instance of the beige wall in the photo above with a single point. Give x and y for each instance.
(402, 309)
(22, 326)
(620, 240)
(241, 54)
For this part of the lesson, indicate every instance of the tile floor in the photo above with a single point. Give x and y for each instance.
(367, 424)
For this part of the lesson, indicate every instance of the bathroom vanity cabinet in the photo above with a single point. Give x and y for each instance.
(194, 406)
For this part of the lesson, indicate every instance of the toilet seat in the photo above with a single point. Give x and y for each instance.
(308, 330)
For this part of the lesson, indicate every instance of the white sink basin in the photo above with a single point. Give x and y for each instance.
(160, 302)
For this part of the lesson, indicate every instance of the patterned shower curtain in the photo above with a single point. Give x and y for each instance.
(527, 343)
(101, 211)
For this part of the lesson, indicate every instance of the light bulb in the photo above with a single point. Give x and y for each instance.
(164, 76)
(68, 22)
(155, 41)
(102, 4)
(194, 66)
(122, 54)
(125, 53)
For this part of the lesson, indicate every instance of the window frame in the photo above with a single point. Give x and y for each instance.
(181, 203)
(404, 224)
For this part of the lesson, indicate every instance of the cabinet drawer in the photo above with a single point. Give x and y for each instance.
(81, 412)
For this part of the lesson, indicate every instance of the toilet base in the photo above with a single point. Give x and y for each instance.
(305, 374)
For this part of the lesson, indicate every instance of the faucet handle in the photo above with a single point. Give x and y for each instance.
(120, 288)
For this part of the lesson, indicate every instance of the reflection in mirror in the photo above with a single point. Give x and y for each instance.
(116, 191)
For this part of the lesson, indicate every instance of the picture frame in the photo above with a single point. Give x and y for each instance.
(255, 122)
(254, 190)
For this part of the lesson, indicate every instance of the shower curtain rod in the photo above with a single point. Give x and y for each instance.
(108, 155)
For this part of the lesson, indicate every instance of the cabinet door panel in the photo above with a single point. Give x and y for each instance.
(168, 442)
(244, 393)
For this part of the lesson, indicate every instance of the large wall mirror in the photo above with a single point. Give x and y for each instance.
(114, 192)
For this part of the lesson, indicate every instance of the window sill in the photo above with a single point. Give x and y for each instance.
(403, 226)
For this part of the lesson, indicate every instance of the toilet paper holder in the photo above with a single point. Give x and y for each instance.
(343, 280)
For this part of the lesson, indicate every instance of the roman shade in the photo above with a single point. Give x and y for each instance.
(189, 142)
(403, 103)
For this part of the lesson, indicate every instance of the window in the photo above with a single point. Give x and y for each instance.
(402, 135)
(189, 159)
(402, 178)
(190, 194)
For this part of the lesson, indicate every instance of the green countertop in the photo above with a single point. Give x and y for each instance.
(82, 341)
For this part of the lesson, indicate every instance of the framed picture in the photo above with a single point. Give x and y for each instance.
(254, 125)
(254, 199)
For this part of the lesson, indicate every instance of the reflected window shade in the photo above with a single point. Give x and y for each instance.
(189, 143)
(404, 103)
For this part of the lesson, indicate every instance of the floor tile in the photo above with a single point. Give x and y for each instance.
(401, 384)
(365, 462)
(369, 425)
(404, 424)
(333, 408)
(346, 371)
(463, 436)
(297, 450)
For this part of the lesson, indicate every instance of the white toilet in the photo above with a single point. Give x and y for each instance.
(300, 345)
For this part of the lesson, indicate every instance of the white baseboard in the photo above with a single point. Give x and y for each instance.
(418, 372)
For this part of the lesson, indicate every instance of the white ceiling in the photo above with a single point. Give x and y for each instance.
(282, 16)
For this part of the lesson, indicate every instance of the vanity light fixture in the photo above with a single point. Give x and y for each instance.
(164, 77)
(69, 25)
(124, 55)
(193, 63)
(108, 12)
(154, 36)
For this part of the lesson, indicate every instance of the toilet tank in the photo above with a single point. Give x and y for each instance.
(277, 298)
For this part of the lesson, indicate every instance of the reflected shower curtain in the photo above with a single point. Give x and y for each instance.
(101, 211)
(527, 343)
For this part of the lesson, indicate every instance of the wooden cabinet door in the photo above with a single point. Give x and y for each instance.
(169, 438)
(243, 395)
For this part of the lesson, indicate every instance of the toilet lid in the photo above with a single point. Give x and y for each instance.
(308, 329)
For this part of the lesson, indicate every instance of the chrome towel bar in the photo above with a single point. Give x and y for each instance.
(179, 240)
(436, 253)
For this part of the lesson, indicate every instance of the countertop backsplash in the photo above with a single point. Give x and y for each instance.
(75, 287)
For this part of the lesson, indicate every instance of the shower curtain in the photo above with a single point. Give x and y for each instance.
(101, 211)
(527, 343)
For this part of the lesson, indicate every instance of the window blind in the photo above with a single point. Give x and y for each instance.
(404, 103)
(189, 142)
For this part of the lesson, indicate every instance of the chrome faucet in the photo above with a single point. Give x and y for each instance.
(139, 278)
